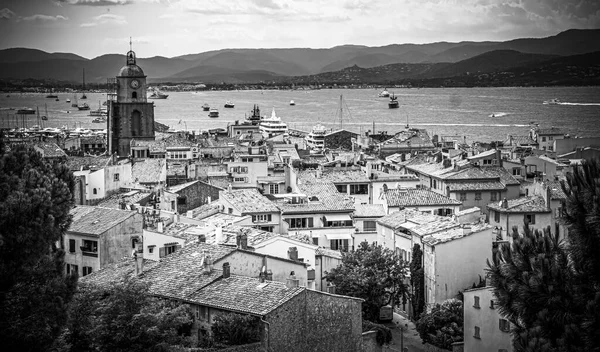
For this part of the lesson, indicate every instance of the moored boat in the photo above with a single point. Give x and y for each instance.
(292, 103)
(52, 96)
(272, 126)
(83, 106)
(68, 101)
(254, 118)
(229, 104)
(206, 107)
(157, 94)
(26, 111)
(213, 112)
(384, 94)
(393, 104)
(315, 140)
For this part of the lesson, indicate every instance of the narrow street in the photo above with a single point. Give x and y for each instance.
(409, 339)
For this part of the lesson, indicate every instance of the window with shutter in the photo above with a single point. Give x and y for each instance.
(72, 246)
(161, 252)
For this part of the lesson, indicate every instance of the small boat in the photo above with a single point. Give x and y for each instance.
(57, 99)
(52, 96)
(552, 101)
(229, 104)
(68, 100)
(206, 107)
(99, 111)
(254, 118)
(99, 120)
(384, 94)
(83, 96)
(26, 111)
(213, 113)
(156, 94)
(393, 104)
(84, 106)
(292, 103)
(45, 118)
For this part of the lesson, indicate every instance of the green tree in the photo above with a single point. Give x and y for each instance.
(236, 329)
(124, 317)
(582, 215)
(443, 325)
(373, 273)
(549, 290)
(35, 200)
(532, 283)
(417, 281)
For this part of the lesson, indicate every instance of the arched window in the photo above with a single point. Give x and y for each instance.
(95, 191)
(134, 95)
(136, 123)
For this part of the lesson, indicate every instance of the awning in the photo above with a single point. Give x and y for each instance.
(338, 236)
(337, 217)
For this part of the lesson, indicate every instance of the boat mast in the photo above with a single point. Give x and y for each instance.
(83, 79)
(341, 111)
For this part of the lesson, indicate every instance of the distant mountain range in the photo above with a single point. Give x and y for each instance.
(348, 63)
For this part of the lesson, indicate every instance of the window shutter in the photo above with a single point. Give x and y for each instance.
(310, 222)
(269, 217)
(161, 252)
(253, 218)
(177, 247)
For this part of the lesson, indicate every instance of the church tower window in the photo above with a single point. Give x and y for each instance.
(134, 95)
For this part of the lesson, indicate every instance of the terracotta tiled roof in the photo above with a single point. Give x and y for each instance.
(394, 176)
(369, 210)
(249, 201)
(412, 138)
(147, 171)
(49, 149)
(417, 197)
(316, 188)
(344, 176)
(177, 188)
(76, 163)
(97, 220)
(455, 233)
(255, 236)
(519, 141)
(111, 273)
(245, 295)
(132, 197)
(475, 186)
(529, 204)
(420, 223)
(328, 253)
(556, 191)
(220, 181)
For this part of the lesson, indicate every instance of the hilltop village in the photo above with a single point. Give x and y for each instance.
(249, 220)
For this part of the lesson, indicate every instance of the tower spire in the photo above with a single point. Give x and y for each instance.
(130, 54)
(130, 49)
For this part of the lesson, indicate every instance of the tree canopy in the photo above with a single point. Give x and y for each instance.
(443, 325)
(124, 317)
(548, 289)
(373, 273)
(35, 200)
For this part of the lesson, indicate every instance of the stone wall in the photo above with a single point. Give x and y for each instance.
(369, 342)
(195, 195)
(316, 321)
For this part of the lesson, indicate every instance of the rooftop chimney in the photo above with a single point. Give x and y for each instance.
(238, 240)
(269, 276)
(293, 253)
(244, 241)
(226, 272)
(504, 203)
(160, 226)
(291, 281)
(207, 264)
(263, 274)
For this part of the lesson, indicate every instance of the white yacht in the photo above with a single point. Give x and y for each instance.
(315, 140)
(272, 126)
(384, 94)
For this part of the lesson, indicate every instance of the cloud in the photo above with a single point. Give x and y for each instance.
(106, 18)
(6, 14)
(167, 15)
(94, 2)
(44, 18)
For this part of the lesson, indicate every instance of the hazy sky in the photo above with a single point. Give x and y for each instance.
(175, 27)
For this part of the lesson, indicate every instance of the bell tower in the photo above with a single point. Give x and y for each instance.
(130, 116)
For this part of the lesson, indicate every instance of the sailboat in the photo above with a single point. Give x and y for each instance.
(45, 117)
(83, 89)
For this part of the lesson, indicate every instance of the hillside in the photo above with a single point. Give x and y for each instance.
(389, 62)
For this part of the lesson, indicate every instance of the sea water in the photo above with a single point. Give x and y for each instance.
(479, 114)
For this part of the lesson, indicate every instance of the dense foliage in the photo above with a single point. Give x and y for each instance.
(417, 281)
(236, 329)
(123, 317)
(443, 325)
(550, 290)
(35, 200)
(384, 334)
(373, 273)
